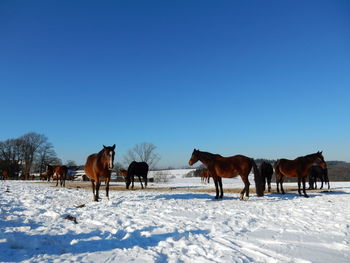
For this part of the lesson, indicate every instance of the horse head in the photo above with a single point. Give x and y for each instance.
(320, 160)
(194, 157)
(108, 156)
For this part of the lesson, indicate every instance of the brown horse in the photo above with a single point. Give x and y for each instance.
(59, 171)
(228, 167)
(99, 167)
(5, 175)
(43, 176)
(205, 176)
(299, 168)
(123, 172)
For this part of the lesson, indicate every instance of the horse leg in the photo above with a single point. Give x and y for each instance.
(269, 184)
(221, 189)
(107, 187)
(140, 181)
(98, 184)
(64, 180)
(278, 180)
(93, 190)
(56, 180)
(245, 189)
(321, 183)
(304, 191)
(216, 187)
(132, 181)
(281, 182)
(299, 183)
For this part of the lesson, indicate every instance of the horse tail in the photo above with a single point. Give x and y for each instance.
(259, 182)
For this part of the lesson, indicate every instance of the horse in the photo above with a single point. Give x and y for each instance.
(228, 167)
(320, 173)
(139, 169)
(123, 172)
(266, 172)
(5, 175)
(205, 176)
(43, 176)
(98, 167)
(60, 172)
(299, 168)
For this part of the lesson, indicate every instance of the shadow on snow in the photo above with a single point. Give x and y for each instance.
(19, 246)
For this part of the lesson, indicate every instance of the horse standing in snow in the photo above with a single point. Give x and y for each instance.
(60, 171)
(299, 168)
(266, 171)
(139, 169)
(98, 167)
(320, 173)
(228, 167)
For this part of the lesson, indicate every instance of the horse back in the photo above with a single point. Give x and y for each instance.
(288, 167)
(61, 170)
(228, 167)
(138, 168)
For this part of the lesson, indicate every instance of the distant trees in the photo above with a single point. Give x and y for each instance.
(70, 163)
(26, 154)
(143, 152)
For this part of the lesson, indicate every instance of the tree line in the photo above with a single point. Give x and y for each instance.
(27, 154)
(32, 151)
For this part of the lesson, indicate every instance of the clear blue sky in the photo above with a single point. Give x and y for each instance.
(267, 79)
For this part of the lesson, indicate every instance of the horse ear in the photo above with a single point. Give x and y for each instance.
(113, 146)
(104, 146)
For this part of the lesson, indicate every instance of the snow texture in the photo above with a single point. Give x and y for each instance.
(42, 223)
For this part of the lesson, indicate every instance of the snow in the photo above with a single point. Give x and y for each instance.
(172, 222)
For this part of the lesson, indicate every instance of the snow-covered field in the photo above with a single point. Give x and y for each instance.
(172, 225)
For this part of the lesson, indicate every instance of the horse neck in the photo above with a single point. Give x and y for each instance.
(206, 158)
(102, 159)
(309, 160)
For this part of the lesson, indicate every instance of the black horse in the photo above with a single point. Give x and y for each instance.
(320, 173)
(139, 169)
(266, 171)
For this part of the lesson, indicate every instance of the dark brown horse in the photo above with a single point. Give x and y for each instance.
(140, 169)
(57, 171)
(299, 168)
(228, 167)
(98, 167)
(317, 172)
(266, 171)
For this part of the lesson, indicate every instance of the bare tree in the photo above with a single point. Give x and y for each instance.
(10, 155)
(31, 142)
(45, 155)
(143, 152)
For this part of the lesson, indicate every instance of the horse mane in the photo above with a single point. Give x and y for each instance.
(210, 154)
(309, 156)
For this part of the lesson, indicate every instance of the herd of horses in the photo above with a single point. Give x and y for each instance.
(99, 167)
